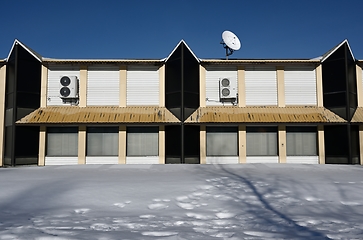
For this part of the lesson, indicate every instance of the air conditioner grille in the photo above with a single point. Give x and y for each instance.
(225, 82)
(225, 92)
(64, 92)
(65, 81)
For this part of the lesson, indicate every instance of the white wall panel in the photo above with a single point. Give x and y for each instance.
(61, 161)
(142, 160)
(300, 86)
(261, 86)
(142, 86)
(272, 159)
(102, 160)
(54, 75)
(213, 75)
(103, 86)
(222, 160)
(302, 159)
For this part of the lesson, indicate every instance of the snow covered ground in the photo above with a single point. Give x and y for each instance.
(251, 201)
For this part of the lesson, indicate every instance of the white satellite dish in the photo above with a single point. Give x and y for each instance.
(230, 42)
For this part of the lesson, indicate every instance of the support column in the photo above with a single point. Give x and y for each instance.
(358, 70)
(43, 103)
(44, 86)
(83, 86)
(280, 86)
(82, 145)
(202, 86)
(319, 86)
(162, 86)
(242, 147)
(361, 144)
(2, 112)
(321, 144)
(123, 81)
(282, 143)
(42, 144)
(122, 145)
(241, 86)
(161, 144)
(203, 145)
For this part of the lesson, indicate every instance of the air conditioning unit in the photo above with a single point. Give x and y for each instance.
(68, 87)
(227, 89)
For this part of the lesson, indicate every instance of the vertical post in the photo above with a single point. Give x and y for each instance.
(242, 140)
(82, 145)
(44, 86)
(202, 86)
(361, 144)
(358, 71)
(2, 112)
(182, 107)
(43, 103)
(83, 86)
(321, 144)
(122, 145)
(123, 83)
(15, 107)
(347, 105)
(319, 86)
(162, 144)
(162, 86)
(162, 104)
(282, 143)
(280, 86)
(241, 86)
(203, 144)
(42, 139)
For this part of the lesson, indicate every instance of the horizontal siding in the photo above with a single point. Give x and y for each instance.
(221, 160)
(54, 75)
(142, 86)
(300, 86)
(103, 86)
(213, 75)
(302, 159)
(61, 161)
(102, 160)
(261, 86)
(142, 160)
(272, 159)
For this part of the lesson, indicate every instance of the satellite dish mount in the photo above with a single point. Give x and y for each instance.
(230, 42)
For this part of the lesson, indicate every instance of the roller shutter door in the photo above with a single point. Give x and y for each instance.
(103, 86)
(261, 86)
(142, 86)
(300, 86)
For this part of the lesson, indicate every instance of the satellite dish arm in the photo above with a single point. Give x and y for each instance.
(229, 51)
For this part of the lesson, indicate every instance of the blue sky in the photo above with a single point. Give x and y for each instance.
(151, 29)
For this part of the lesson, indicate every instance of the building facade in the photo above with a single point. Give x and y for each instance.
(181, 109)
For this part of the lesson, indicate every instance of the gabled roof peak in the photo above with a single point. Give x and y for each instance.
(182, 42)
(31, 51)
(331, 51)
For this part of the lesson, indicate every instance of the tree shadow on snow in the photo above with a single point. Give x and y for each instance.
(262, 201)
